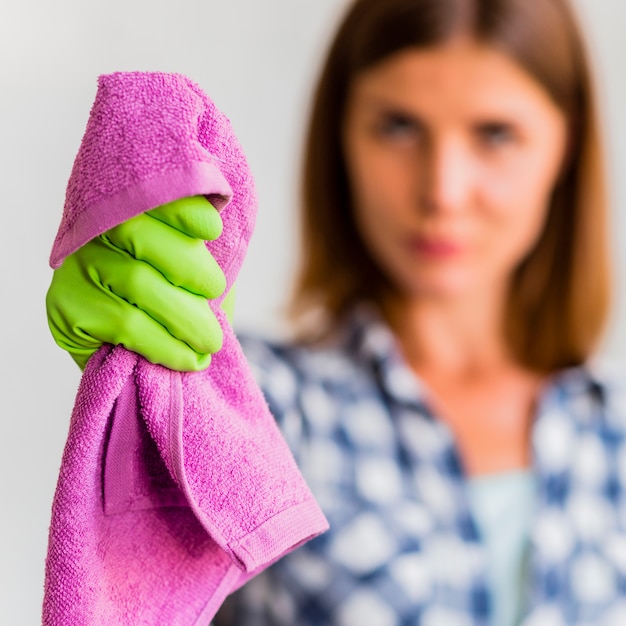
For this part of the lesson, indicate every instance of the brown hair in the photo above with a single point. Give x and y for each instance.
(559, 300)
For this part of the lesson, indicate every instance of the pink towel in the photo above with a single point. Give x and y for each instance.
(174, 488)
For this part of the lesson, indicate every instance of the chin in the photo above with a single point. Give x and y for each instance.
(438, 287)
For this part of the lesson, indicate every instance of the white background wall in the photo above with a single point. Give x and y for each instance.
(257, 61)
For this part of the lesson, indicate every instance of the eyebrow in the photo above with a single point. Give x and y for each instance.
(380, 102)
(376, 104)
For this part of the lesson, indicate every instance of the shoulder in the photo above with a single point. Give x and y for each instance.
(289, 363)
(610, 376)
(307, 387)
(296, 375)
(594, 395)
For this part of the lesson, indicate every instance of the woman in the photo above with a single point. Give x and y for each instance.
(453, 286)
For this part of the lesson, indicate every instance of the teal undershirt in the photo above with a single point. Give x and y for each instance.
(503, 505)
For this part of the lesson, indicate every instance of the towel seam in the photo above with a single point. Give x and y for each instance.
(194, 178)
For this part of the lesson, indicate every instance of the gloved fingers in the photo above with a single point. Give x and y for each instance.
(60, 306)
(133, 328)
(183, 260)
(195, 216)
(143, 284)
(185, 315)
(139, 332)
(83, 314)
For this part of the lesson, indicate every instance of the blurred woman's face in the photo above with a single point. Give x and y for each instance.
(452, 153)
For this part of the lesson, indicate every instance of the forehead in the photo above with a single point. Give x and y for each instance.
(451, 79)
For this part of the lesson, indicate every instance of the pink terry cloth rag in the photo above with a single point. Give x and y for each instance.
(174, 488)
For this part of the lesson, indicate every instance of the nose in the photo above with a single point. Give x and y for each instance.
(447, 178)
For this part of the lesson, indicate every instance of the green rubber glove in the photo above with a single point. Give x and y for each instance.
(144, 284)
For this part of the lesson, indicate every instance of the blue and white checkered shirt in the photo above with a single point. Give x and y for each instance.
(403, 548)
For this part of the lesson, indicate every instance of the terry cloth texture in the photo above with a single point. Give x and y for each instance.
(174, 488)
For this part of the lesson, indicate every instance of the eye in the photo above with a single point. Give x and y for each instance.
(496, 134)
(394, 125)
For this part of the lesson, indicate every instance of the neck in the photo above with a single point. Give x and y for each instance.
(461, 335)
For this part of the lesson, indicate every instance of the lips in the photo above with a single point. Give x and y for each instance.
(435, 247)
